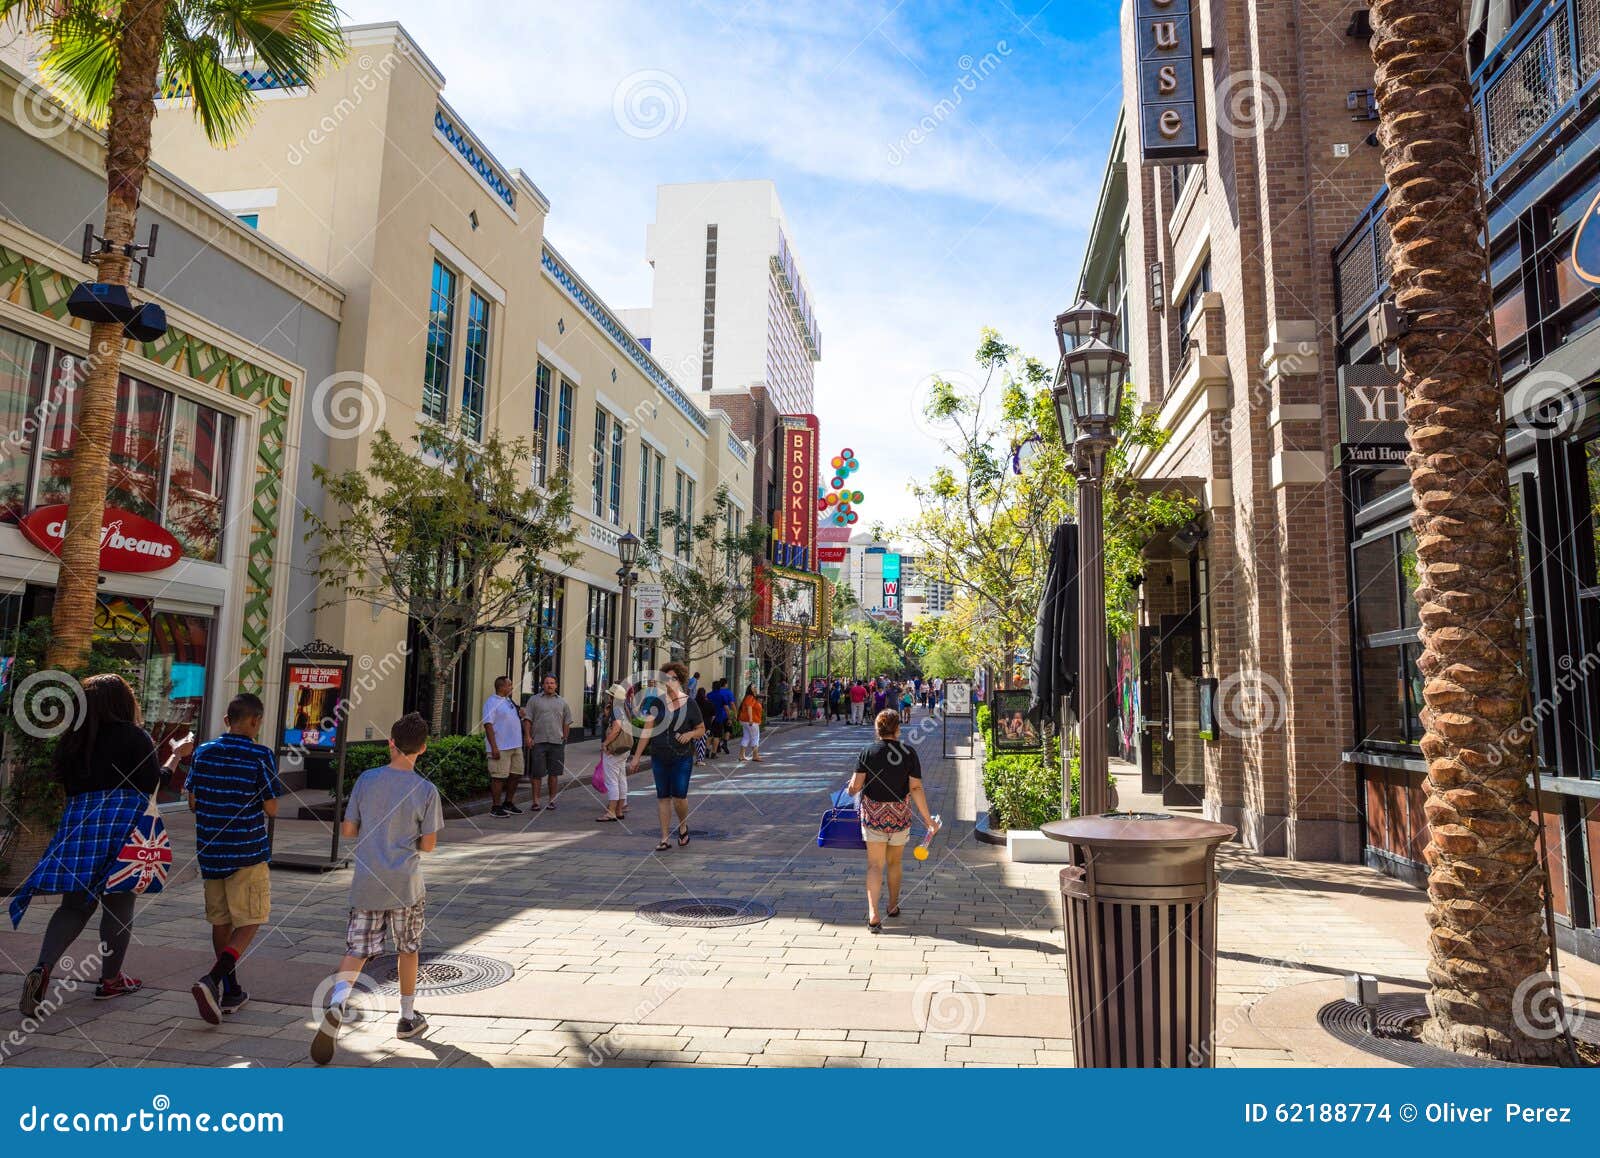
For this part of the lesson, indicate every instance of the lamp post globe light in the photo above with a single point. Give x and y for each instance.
(1088, 400)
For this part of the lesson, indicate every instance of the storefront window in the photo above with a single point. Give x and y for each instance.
(1372, 485)
(1377, 608)
(1410, 578)
(161, 445)
(197, 490)
(599, 632)
(22, 369)
(1383, 696)
(541, 640)
(176, 676)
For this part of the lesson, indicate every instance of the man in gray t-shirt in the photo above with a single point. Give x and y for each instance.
(394, 816)
(549, 721)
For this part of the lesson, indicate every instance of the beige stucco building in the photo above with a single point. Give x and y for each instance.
(457, 307)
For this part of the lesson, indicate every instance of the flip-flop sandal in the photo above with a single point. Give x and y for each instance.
(664, 846)
(605, 820)
(894, 912)
(683, 835)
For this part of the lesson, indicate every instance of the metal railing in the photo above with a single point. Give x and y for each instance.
(1361, 265)
(1546, 65)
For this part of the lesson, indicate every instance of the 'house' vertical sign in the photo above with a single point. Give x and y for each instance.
(1171, 113)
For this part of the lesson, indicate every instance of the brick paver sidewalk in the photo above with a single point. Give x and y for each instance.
(971, 974)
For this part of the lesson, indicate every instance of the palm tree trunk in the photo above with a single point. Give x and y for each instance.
(133, 108)
(1485, 881)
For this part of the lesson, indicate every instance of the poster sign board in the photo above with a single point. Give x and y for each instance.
(130, 544)
(1011, 729)
(1372, 416)
(958, 698)
(312, 719)
(1171, 102)
(796, 543)
(649, 611)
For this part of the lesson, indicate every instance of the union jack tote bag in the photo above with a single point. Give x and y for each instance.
(145, 859)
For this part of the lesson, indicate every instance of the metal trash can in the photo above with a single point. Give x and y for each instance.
(1140, 908)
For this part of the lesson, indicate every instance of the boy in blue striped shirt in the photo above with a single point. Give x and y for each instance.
(233, 789)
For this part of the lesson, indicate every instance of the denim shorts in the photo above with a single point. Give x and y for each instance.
(672, 774)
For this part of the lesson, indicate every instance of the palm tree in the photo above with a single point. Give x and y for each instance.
(108, 59)
(1485, 882)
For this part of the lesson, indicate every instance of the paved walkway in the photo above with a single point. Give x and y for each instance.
(971, 974)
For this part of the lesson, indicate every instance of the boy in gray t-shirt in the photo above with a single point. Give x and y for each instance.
(394, 816)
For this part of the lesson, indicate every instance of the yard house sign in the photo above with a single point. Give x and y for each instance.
(1171, 113)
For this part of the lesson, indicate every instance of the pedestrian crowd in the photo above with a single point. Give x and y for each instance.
(110, 846)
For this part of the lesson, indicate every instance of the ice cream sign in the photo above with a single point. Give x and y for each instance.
(128, 542)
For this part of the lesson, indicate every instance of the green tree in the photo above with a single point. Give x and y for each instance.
(108, 59)
(446, 531)
(987, 514)
(705, 565)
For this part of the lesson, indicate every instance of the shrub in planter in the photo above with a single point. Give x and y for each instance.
(457, 765)
(985, 717)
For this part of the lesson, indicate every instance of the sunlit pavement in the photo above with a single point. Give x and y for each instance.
(970, 974)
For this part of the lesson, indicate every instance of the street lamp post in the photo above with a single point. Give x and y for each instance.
(805, 672)
(627, 554)
(1088, 400)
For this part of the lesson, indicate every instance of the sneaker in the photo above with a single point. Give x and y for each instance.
(119, 986)
(411, 1026)
(322, 1046)
(233, 997)
(513, 809)
(207, 993)
(500, 811)
(33, 987)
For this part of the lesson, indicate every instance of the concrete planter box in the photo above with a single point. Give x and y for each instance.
(1030, 846)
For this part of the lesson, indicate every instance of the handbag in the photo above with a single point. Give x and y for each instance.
(598, 780)
(146, 857)
(621, 746)
(841, 823)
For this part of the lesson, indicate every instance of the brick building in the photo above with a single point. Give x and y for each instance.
(1237, 690)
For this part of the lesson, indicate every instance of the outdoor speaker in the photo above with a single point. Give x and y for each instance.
(99, 302)
(148, 323)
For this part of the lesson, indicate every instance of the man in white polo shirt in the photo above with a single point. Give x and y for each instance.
(502, 736)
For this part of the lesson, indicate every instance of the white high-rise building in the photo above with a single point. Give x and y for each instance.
(730, 306)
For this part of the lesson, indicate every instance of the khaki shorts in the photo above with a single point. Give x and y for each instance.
(242, 898)
(509, 764)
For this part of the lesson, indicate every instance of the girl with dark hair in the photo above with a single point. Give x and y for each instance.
(107, 766)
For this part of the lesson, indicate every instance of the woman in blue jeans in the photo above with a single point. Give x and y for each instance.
(672, 723)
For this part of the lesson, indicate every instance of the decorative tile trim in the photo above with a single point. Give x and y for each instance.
(475, 157)
(255, 80)
(601, 316)
(43, 290)
(738, 450)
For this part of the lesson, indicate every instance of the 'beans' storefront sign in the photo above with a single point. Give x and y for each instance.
(129, 543)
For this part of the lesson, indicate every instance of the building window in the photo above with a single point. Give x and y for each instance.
(598, 477)
(541, 423)
(708, 337)
(1189, 310)
(441, 331)
(598, 639)
(23, 363)
(250, 220)
(541, 640)
(614, 505)
(170, 456)
(644, 485)
(1384, 569)
(475, 365)
(655, 501)
(564, 428)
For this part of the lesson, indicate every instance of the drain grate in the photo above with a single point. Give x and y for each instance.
(442, 974)
(1397, 1015)
(694, 912)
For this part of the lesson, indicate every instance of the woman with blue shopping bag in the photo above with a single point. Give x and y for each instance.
(109, 846)
(888, 780)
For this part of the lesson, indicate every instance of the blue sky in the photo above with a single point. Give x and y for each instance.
(910, 246)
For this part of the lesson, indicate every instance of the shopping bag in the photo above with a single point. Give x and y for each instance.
(145, 859)
(841, 823)
(598, 780)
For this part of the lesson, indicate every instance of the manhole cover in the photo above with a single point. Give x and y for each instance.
(1397, 1014)
(704, 914)
(442, 973)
